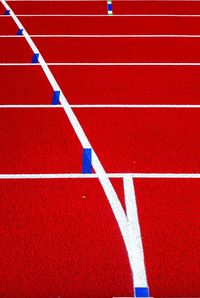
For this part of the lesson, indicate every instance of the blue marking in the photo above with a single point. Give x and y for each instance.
(109, 7)
(7, 12)
(141, 292)
(56, 97)
(35, 58)
(20, 32)
(87, 161)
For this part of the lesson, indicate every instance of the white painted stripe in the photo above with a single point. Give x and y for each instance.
(104, 36)
(11, 36)
(126, 64)
(104, 106)
(20, 64)
(28, 106)
(136, 254)
(117, 36)
(139, 106)
(101, 0)
(60, 0)
(107, 186)
(152, 0)
(106, 64)
(105, 15)
(110, 175)
(63, 15)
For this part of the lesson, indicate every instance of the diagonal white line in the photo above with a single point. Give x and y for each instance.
(136, 248)
(111, 195)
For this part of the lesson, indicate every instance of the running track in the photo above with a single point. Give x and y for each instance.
(129, 91)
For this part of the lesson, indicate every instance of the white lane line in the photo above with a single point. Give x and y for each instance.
(101, 0)
(106, 184)
(105, 15)
(61, 0)
(29, 106)
(105, 36)
(136, 252)
(100, 106)
(20, 64)
(106, 64)
(63, 15)
(139, 106)
(11, 36)
(124, 64)
(117, 36)
(110, 175)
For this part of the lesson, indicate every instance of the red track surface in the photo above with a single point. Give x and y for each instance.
(126, 49)
(169, 218)
(37, 141)
(52, 242)
(15, 50)
(7, 26)
(129, 84)
(60, 7)
(59, 237)
(156, 7)
(36, 88)
(144, 140)
(115, 25)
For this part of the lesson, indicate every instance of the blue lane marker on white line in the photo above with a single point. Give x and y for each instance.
(109, 6)
(141, 292)
(87, 161)
(56, 97)
(7, 12)
(35, 58)
(20, 32)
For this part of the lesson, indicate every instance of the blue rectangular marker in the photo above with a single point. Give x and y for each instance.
(20, 32)
(141, 292)
(87, 161)
(56, 97)
(7, 12)
(35, 58)
(109, 7)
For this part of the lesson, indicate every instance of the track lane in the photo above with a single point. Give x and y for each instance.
(59, 7)
(24, 85)
(114, 25)
(55, 241)
(144, 140)
(119, 50)
(169, 219)
(7, 26)
(129, 84)
(156, 7)
(15, 49)
(38, 140)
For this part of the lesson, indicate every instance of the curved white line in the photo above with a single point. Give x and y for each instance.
(103, 177)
